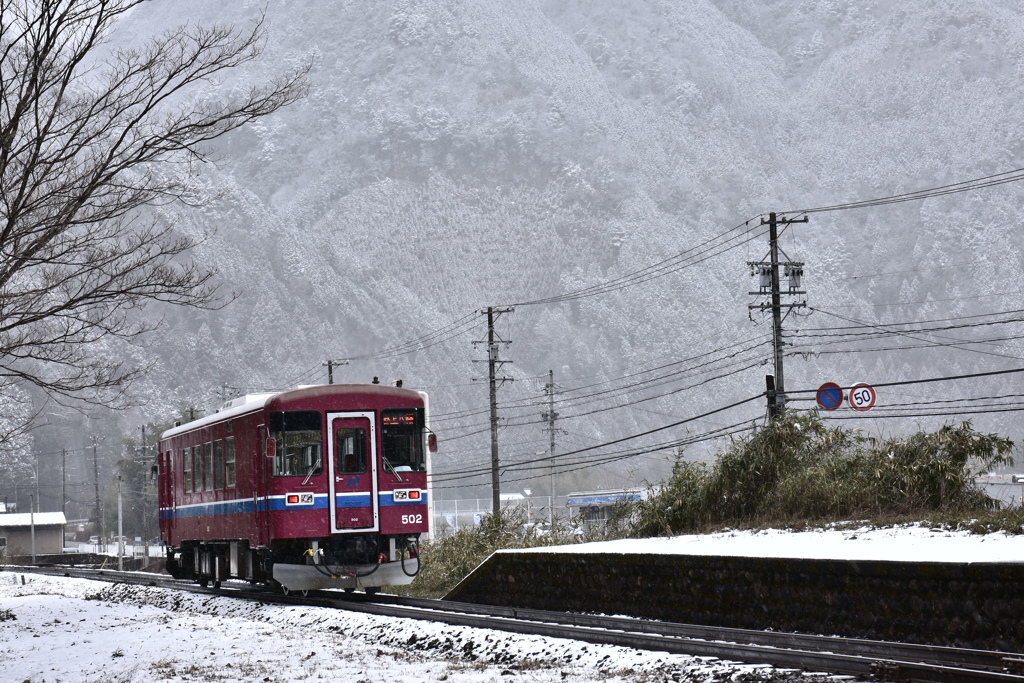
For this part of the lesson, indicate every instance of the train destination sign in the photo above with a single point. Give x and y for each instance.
(862, 396)
(830, 396)
(405, 417)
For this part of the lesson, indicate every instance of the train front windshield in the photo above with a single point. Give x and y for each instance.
(403, 440)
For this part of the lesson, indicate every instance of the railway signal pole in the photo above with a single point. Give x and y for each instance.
(493, 363)
(768, 272)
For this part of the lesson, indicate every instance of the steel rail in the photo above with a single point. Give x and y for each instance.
(880, 660)
(933, 654)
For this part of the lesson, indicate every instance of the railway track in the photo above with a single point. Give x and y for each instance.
(867, 659)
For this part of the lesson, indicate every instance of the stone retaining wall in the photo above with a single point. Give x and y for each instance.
(961, 604)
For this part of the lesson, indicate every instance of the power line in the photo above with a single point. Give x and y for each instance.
(953, 343)
(511, 421)
(954, 188)
(927, 380)
(453, 329)
(607, 458)
(904, 415)
(930, 301)
(625, 438)
(863, 325)
(535, 401)
(702, 252)
(963, 346)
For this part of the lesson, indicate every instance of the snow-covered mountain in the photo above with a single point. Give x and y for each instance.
(457, 155)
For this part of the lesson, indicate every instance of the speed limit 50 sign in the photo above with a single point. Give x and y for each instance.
(862, 396)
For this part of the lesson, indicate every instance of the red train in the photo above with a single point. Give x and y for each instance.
(313, 488)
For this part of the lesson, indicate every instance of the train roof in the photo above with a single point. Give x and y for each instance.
(252, 402)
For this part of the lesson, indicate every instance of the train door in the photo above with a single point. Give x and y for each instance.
(352, 471)
(168, 501)
(261, 489)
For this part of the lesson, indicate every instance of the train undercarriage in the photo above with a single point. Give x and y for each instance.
(363, 561)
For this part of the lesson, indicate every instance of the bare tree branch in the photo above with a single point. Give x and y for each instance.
(85, 143)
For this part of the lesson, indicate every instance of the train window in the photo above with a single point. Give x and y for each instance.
(197, 469)
(298, 437)
(186, 470)
(218, 464)
(403, 440)
(351, 449)
(229, 462)
(207, 466)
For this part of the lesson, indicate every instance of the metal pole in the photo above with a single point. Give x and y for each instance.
(120, 529)
(780, 384)
(551, 430)
(145, 500)
(37, 477)
(492, 363)
(32, 522)
(64, 481)
(96, 475)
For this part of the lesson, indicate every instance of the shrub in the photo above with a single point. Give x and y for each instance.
(797, 468)
(448, 560)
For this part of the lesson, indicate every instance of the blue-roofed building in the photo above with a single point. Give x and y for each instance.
(595, 507)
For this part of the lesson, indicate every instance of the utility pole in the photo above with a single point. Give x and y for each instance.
(551, 416)
(120, 529)
(770, 285)
(493, 363)
(96, 475)
(32, 522)
(330, 368)
(63, 481)
(145, 497)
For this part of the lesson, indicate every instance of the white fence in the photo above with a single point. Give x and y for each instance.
(452, 515)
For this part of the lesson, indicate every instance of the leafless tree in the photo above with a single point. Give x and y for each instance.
(89, 135)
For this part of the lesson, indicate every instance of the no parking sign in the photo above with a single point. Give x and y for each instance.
(830, 396)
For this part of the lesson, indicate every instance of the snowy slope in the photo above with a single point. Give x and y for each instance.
(452, 156)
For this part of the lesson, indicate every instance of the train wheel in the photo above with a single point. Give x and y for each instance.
(349, 590)
(216, 583)
(372, 590)
(203, 582)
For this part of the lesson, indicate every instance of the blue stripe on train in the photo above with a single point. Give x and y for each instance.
(236, 507)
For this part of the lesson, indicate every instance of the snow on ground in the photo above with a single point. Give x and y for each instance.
(912, 543)
(56, 629)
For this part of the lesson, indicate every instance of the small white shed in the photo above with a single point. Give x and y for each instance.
(16, 532)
